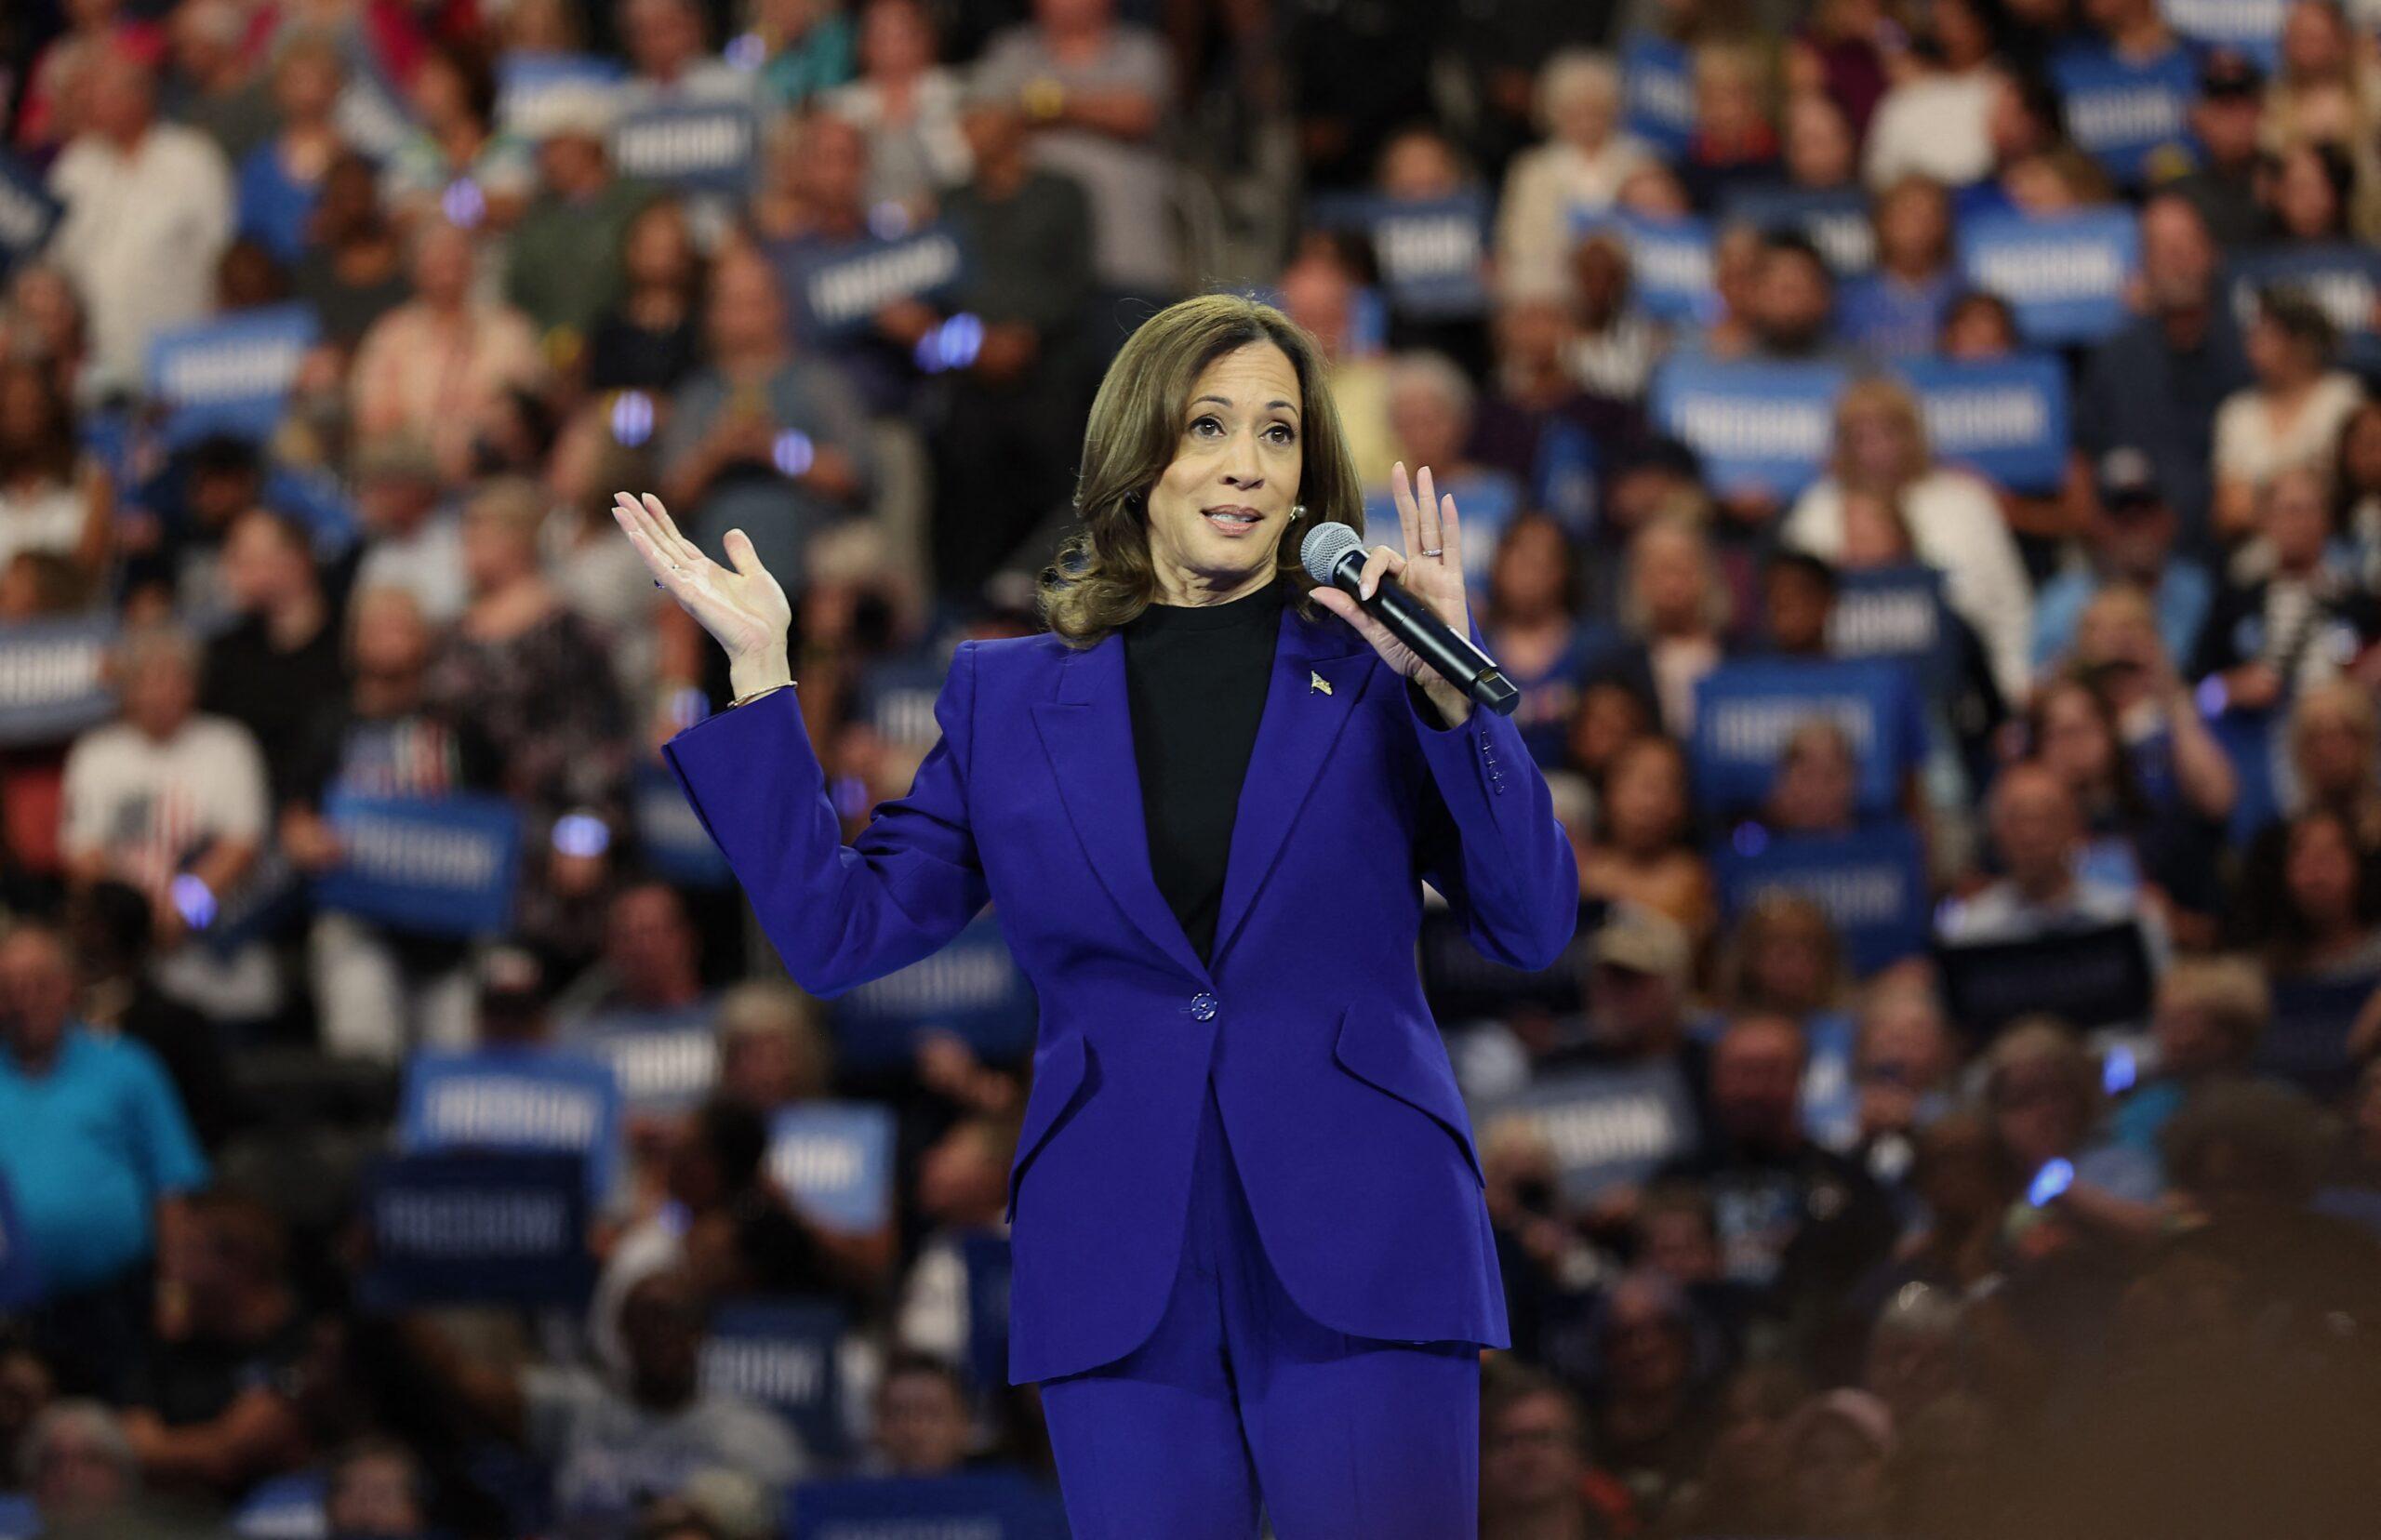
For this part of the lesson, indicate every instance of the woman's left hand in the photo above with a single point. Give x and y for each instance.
(1430, 523)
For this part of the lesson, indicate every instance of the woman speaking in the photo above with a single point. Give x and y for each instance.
(1252, 1257)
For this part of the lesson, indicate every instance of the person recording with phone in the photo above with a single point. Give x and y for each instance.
(1253, 1261)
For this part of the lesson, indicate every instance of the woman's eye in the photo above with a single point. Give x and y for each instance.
(1205, 422)
(1283, 429)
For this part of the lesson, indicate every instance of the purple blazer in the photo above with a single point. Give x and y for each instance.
(1342, 1112)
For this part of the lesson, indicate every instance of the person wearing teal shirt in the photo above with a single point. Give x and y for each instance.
(94, 1144)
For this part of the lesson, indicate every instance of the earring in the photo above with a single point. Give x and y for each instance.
(1296, 509)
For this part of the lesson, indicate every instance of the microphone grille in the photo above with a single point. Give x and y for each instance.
(1322, 547)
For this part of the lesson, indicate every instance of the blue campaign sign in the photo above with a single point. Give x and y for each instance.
(478, 1226)
(231, 376)
(1894, 613)
(781, 1354)
(20, 1519)
(1835, 220)
(1759, 426)
(1670, 260)
(512, 1099)
(671, 837)
(28, 213)
(443, 866)
(2063, 274)
(2006, 419)
(52, 683)
(2253, 27)
(2342, 277)
(1872, 883)
(985, 1255)
(972, 987)
(694, 146)
(1657, 92)
(834, 1163)
(837, 290)
(1607, 1126)
(522, 80)
(977, 1505)
(1745, 712)
(284, 1507)
(21, 1276)
(2124, 112)
(663, 1061)
(1429, 251)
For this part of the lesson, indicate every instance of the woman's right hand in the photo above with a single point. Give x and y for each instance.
(744, 609)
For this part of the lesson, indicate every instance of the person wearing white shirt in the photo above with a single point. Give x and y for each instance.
(1936, 124)
(148, 211)
(1955, 523)
(1581, 166)
(2038, 829)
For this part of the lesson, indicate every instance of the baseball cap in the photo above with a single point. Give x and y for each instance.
(2229, 73)
(2128, 480)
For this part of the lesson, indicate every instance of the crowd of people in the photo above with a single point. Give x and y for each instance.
(1958, 1114)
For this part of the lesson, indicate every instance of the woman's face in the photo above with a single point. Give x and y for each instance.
(439, 98)
(894, 39)
(1977, 332)
(1819, 149)
(1240, 449)
(658, 251)
(1669, 575)
(1528, 574)
(2297, 523)
(1609, 719)
(1789, 968)
(2321, 872)
(25, 408)
(1815, 788)
(1583, 115)
(1876, 446)
(2276, 358)
(2076, 742)
(2312, 45)
(2333, 761)
(1643, 793)
(1914, 229)
(2035, 1113)
(2304, 197)
(1428, 426)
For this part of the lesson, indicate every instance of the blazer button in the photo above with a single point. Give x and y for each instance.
(1203, 1006)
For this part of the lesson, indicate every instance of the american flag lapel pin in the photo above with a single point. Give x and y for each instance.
(1316, 681)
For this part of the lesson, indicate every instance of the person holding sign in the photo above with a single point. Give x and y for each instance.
(1251, 1244)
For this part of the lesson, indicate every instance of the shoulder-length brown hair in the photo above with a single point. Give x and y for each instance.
(1103, 575)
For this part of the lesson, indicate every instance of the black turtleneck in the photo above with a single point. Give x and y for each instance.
(1195, 677)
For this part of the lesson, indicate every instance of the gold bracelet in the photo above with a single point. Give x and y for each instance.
(766, 689)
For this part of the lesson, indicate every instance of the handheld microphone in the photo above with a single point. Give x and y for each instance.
(1332, 553)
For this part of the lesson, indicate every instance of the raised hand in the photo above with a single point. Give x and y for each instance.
(1429, 523)
(743, 608)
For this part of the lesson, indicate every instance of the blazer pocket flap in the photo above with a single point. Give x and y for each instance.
(1056, 1077)
(1384, 1059)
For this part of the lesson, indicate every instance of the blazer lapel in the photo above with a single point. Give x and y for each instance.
(1301, 721)
(1087, 733)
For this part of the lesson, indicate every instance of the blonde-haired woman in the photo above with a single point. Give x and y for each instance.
(1954, 518)
(1581, 165)
(1198, 807)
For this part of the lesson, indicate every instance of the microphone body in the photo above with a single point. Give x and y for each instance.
(1332, 553)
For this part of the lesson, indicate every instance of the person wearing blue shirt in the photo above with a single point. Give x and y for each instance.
(2132, 535)
(280, 179)
(1896, 311)
(95, 1148)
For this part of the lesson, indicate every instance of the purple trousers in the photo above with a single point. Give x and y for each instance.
(1239, 1397)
